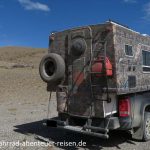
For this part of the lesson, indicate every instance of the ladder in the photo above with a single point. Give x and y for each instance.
(103, 132)
(103, 84)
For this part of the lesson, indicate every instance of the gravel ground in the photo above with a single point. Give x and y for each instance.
(23, 106)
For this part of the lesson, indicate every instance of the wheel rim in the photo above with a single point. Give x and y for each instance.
(147, 127)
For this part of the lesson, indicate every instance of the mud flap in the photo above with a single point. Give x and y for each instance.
(138, 133)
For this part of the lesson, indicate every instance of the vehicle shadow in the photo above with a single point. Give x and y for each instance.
(43, 132)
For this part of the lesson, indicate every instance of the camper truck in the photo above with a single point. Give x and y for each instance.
(101, 76)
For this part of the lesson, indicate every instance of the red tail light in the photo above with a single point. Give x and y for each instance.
(124, 107)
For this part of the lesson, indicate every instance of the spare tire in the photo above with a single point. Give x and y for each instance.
(52, 68)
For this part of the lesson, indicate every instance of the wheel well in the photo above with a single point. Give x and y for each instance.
(147, 109)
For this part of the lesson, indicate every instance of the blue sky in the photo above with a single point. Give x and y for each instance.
(29, 22)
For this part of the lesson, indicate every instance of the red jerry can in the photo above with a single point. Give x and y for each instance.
(98, 67)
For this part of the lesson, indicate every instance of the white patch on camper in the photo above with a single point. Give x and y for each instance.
(124, 27)
(110, 108)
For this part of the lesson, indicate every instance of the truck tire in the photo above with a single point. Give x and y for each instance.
(146, 127)
(52, 68)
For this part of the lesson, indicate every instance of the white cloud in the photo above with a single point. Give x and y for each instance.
(130, 1)
(30, 5)
(147, 11)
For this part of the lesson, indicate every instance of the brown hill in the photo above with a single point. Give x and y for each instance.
(19, 73)
(22, 55)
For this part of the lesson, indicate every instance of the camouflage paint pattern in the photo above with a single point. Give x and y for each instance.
(130, 66)
(78, 79)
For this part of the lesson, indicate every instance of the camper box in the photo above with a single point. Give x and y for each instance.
(92, 67)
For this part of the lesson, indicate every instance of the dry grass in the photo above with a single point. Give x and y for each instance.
(22, 55)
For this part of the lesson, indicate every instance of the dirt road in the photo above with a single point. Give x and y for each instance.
(24, 102)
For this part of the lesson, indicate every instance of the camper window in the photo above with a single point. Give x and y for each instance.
(146, 61)
(128, 50)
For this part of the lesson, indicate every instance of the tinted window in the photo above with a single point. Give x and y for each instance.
(131, 81)
(146, 58)
(128, 50)
(146, 69)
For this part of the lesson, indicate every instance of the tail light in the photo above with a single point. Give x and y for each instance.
(124, 107)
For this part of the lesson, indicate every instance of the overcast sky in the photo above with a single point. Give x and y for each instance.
(29, 22)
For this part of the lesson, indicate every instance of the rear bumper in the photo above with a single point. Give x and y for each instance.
(98, 131)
